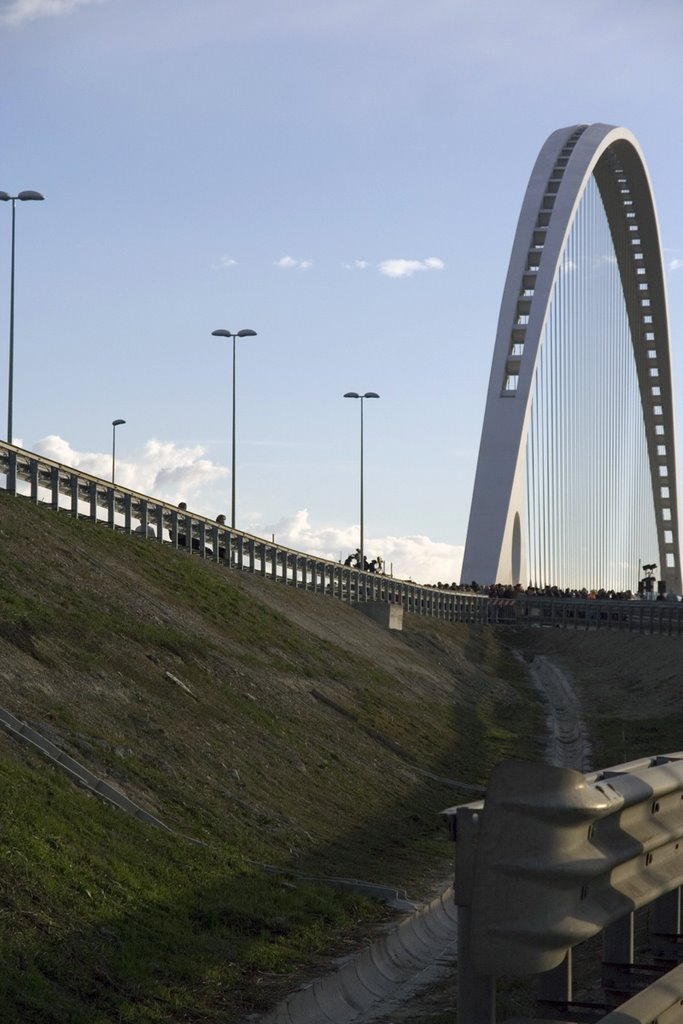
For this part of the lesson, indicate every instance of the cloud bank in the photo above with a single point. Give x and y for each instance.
(173, 474)
(160, 469)
(417, 557)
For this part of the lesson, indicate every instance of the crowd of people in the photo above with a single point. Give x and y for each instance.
(355, 561)
(647, 587)
(647, 590)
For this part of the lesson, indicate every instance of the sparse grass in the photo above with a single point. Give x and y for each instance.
(102, 918)
(105, 919)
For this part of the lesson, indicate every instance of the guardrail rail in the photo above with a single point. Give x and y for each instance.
(82, 495)
(552, 858)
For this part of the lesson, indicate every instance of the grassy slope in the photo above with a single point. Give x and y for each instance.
(262, 725)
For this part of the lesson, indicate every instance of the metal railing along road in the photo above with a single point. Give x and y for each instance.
(84, 496)
(635, 616)
(552, 858)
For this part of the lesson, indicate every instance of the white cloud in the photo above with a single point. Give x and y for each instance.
(160, 469)
(406, 268)
(675, 264)
(417, 558)
(226, 261)
(27, 10)
(289, 263)
(163, 470)
(356, 265)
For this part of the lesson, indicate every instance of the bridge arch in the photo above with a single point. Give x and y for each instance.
(576, 477)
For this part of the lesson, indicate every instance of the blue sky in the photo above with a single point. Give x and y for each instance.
(342, 176)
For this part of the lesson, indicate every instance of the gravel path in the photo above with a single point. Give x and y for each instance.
(567, 745)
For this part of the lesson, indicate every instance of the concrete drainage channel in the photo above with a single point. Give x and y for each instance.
(383, 975)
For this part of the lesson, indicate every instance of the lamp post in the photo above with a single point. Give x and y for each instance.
(244, 333)
(368, 394)
(5, 197)
(114, 425)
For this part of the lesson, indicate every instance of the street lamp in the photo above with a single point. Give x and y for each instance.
(4, 197)
(368, 394)
(114, 425)
(244, 333)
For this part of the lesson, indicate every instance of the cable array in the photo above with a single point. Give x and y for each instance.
(576, 480)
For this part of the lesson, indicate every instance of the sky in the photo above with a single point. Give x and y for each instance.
(344, 177)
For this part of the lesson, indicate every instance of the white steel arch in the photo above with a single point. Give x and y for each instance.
(553, 347)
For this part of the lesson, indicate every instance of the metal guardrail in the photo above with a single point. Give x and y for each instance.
(552, 858)
(84, 496)
(639, 616)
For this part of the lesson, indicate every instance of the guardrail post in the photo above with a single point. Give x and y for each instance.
(33, 472)
(12, 472)
(93, 500)
(555, 987)
(54, 482)
(111, 507)
(618, 954)
(144, 518)
(476, 999)
(173, 528)
(73, 491)
(128, 513)
(665, 925)
(159, 519)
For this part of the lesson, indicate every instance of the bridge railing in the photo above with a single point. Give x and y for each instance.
(82, 495)
(552, 858)
(639, 616)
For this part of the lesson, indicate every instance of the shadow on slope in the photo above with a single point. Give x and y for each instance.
(272, 725)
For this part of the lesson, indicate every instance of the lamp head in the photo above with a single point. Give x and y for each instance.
(117, 423)
(245, 333)
(29, 195)
(351, 394)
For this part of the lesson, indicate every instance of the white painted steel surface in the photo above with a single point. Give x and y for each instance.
(561, 855)
(537, 481)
